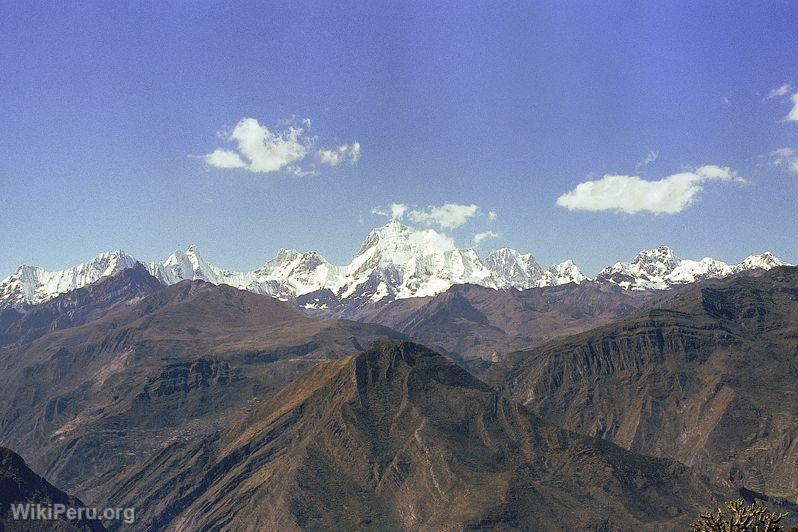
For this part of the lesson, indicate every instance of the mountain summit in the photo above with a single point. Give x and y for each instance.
(660, 268)
(394, 262)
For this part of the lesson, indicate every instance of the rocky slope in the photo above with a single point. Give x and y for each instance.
(478, 326)
(709, 379)
(20, 485)
(83, 402)
(399, 437)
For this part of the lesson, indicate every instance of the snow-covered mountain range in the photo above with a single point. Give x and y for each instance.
(660, 268)
(394, 262)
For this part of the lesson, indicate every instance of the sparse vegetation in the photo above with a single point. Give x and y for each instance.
(736, 516)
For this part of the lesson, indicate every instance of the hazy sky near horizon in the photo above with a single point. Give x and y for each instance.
(584, 130)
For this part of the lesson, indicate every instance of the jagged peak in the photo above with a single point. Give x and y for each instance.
(660, 253)
(763, 260)
(395, 261)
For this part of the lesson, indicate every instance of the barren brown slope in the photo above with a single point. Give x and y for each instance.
(399, 437)
(478, 326)
(20, 485)
(82, 403)
(710, 379)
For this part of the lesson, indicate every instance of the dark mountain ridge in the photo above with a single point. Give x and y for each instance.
(709, 379)
(20, 485)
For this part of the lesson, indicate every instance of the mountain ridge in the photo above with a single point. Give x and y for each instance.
(399, 437)
(708, 378)
(394, 262)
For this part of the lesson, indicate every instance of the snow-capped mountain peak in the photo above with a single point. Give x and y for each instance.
(395, 261)
(396, 243)
(764, 261)
(514, 268)
(660, 268)
(660, 255)
(398, 261)
(189, 264)
(562, 273)
(31, 284)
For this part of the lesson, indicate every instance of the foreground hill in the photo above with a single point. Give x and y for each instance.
(709, 379)
(20, 485)
(400, 437)
(82, 403)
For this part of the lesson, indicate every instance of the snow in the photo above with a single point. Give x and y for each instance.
(562, 273)
(661, 268)
(394, 262)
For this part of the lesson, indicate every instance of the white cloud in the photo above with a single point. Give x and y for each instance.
(632, 194)
(479, 237)
(778, 92)
(431, 240)
(446, 216)
(394, 211)
(785, 158)
(221, 158)
(343, 153)
(793, 116)
(261, 150)
(650, 157)
(492, 215)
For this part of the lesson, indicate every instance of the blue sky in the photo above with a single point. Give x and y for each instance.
(108, 109)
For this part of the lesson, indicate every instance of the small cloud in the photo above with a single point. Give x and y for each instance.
(261, 150)
(221, 158)
(299, 171)
(446, 216)
(258, 149)
(778, 92)
(479, 237)
(793, 116)
(725, 100)
(394, 211)
(491, 215)
(633, 194)
(785, 158)
(343, 153)
(649, 158)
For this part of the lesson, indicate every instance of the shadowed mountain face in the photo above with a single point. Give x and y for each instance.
(709, 379)
(478, 326)
(400, 437)
(20, 485)
(85, 402)
(26, 323)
